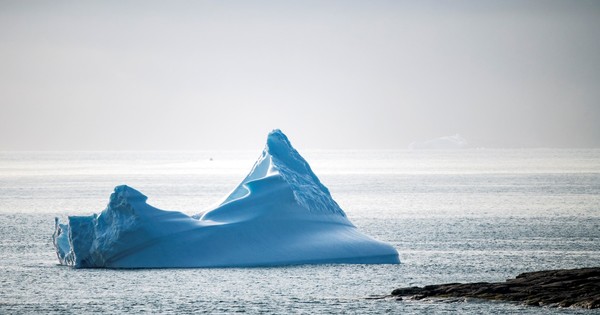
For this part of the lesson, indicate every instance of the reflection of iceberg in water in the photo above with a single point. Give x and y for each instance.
(442, 143)
(280, 214)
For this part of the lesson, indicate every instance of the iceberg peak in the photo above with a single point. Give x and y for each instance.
(293, 168)
(125, 194)
(278, 142)
(285, 169)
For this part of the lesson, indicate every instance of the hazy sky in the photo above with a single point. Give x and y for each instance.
(101, 75)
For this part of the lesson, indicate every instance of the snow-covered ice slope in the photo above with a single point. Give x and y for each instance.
(280, 214)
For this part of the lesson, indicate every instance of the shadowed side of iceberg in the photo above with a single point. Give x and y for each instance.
(126, 225)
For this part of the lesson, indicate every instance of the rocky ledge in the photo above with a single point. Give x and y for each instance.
(553, 288)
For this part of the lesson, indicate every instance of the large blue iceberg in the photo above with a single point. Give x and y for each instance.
(280, 214)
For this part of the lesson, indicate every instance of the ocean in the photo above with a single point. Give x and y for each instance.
(453, 216)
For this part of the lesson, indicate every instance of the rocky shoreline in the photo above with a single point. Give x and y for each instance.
(553, 288)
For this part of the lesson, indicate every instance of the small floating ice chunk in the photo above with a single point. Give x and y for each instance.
(442, 143)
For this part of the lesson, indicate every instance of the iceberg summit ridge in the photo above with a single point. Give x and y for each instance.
(280, 214)
(307, 188)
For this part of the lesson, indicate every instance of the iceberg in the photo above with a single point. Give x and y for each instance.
(441, 143)
(280, 214)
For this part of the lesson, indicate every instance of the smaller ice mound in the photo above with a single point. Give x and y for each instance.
(280, 214)
(442, 143)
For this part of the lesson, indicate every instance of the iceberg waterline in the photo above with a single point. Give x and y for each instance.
(280, 214)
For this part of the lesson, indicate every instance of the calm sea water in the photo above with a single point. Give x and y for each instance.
(473, 215)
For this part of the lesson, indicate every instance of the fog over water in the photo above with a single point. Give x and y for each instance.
(185, 75)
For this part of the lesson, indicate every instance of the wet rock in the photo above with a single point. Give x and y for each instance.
(565, 288)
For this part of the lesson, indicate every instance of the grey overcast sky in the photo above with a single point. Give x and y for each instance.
(194, 75)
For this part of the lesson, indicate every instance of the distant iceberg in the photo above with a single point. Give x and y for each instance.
(280, 214)
(442, 143)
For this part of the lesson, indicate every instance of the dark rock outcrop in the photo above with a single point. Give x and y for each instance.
(554, 288)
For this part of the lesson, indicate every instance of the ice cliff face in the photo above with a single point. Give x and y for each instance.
(280, 214)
